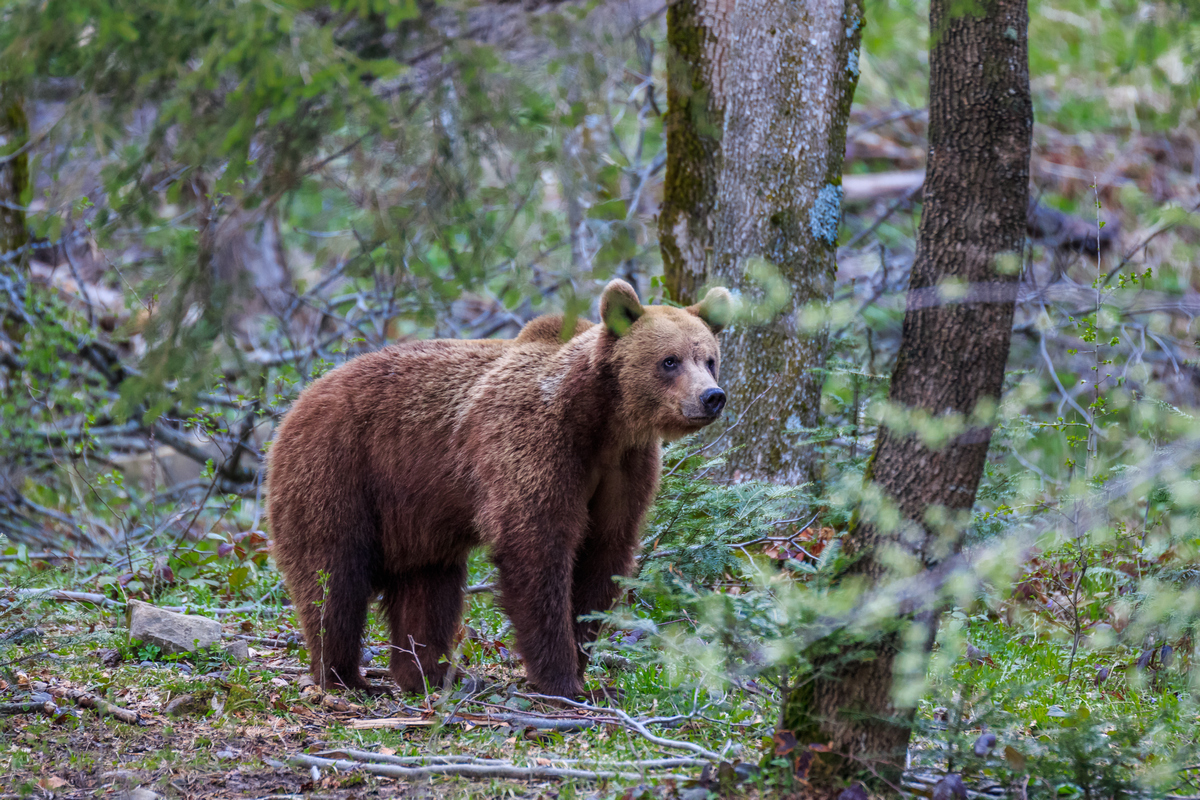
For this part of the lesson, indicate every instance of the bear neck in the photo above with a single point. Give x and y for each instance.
(624, 420)
(590, 394)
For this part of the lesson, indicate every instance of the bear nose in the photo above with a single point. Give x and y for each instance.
(713, 400)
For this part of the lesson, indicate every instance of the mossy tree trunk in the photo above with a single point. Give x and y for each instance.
(697, 39)
(951, 362)
(793, 68)
(14, 173)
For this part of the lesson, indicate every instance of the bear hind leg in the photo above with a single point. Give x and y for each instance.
(333, 613)
(424, 607)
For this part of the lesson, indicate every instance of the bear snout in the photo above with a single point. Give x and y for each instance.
(713, 400)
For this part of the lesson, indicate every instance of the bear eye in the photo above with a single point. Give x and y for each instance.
(670, 362)
(712, 366)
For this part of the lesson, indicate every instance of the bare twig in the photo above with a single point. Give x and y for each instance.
(634, 725)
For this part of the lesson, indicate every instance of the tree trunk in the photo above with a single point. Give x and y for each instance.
(791, 78)
(697, 40)
(951, 362)
(14, 174)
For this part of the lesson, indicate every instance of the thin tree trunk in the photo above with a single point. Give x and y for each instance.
(14, 173)
(697, 40)
(953, 351)
(791, 78)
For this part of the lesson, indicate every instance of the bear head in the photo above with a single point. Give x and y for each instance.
(666, 359)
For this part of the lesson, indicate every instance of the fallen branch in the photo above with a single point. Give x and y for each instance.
(108, 602)
(525, 721)
(100, 706)
(49, 556)
(433, 760)
(29, 707)
(391, 722)
(74, 597)
(1055, 228)
(265, 642)
(488, 770)
(634, 725)
(219, 612)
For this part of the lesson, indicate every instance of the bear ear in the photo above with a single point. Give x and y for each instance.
(716, 309)
(619, 306)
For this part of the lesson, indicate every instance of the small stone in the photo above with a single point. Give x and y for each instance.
(855, 792)
(746, 771)
(196, 703)
(984, 744)
(140, 793)
(119, 777)
(225, 755)
(950, 787)
(109, 657)
(238, 650)
(24, 636)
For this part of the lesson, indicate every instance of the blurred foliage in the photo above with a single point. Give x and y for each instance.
(1094, 63)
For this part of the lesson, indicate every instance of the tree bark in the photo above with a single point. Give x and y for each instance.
(953, 351)
(697, 39)
(791, 78)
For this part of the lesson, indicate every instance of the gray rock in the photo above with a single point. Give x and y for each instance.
(121, 777)
(238, 650)
(140, 793)
(950, 787)
(196, 703)
(174, 633)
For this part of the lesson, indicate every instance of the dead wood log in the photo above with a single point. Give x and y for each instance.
(1049, 226)
(99, 705)
(46, 707)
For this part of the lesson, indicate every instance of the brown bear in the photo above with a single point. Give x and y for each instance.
(391, 468)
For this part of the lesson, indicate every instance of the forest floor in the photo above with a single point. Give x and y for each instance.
(125, 719)
(206, 727)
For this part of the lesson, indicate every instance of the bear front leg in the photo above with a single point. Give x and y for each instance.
(424, 607)
(600, 559)
(617, 508)
(535, 592)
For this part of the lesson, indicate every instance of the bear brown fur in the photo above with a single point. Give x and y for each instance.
(389, 470)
